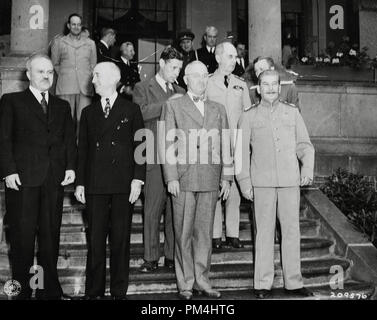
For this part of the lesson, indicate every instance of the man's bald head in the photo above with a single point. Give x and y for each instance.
(226, 55)
(196, 77)
(106, 76)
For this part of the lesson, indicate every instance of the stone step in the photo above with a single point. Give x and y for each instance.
(75, 234)
(352, 291)
(72, 257)
(223, 277)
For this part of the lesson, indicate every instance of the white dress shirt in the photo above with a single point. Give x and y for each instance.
(112, 98)
(37, 94)
(125, 61)
(241, 62)
(106, 45)
(199, 104)
(211, 49)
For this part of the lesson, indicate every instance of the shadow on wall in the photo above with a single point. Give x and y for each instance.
(4, 45)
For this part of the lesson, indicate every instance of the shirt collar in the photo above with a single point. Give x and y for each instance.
(268, 105)
(209, 49)
(162, 82)
(106, 45)
(125, 60)
(112, 98)
(37, 94)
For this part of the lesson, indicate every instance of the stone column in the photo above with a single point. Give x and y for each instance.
(368, 25)
(265, 29)
(29, 32)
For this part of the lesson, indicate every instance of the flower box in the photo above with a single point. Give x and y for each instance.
(334, 73)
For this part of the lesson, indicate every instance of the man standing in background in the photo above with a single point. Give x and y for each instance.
(206, 54)
(128, 70)
(230, 91)
(108, 39)
(186, 47)
(150, 95)
(74, 58)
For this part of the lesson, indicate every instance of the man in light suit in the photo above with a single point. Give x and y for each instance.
(231, 91)
(74, 58)
(37, 159)
(109, 181)
(278, 138)
(150, 95)
(194, 175)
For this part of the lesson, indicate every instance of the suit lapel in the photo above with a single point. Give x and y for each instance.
(189, 107)
(51, 108)
(157, 90)
(35, 106)
(99, 117)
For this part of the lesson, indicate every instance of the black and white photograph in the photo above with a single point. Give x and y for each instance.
(186, 156)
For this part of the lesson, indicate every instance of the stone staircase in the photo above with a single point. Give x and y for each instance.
(231, 271)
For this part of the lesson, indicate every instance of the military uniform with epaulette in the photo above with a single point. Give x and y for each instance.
(235, 98)
(279, 142)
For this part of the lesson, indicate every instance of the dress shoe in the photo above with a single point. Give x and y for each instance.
(262, 294)
(185, 295)
(149, 266)
(234, 243)
(169, 263)
(216, 243)
(302, 292)
(65, 297)
(209, 293)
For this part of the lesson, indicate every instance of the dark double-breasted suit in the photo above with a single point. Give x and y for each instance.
(150, 96)
(106, 168)
(39, 148)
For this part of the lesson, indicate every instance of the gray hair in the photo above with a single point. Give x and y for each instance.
(112, 69)
(35, 57)
(191, 65)
(220, 48)
(211, 28)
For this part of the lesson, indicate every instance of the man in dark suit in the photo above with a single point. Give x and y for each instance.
(242, 61)
(186, 47)
(194, 178)
(129, 70)
(37, 158)
(108, 39)
(206, 54)
(150, 95)
(109, 181)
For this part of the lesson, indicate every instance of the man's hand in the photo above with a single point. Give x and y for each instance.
(13, 181)
(225, 190)
(70, 177)
(249, 195)
(80, 194)
(305, 181)
(176, 96)
(135, 191)
(173, 188)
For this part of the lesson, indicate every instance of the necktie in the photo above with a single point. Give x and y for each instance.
(226, 81)
(168, 90)
(44, 102)
(107, 108)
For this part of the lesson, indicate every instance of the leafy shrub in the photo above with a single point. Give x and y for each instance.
(354, 195)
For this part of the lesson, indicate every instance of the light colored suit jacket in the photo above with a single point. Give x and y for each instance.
(74, 62)
(200, 160)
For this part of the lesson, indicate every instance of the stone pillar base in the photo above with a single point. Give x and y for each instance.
(12, 74)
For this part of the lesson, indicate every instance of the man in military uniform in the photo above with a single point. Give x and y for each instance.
(185, 44)
(278, 138)
(206, 54)
(289, 91)
(230, 91)
(129, 70)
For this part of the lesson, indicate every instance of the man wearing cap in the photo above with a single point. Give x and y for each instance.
(186, 47)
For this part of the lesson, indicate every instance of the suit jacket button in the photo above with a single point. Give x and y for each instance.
(97, 144)
(113, 143)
